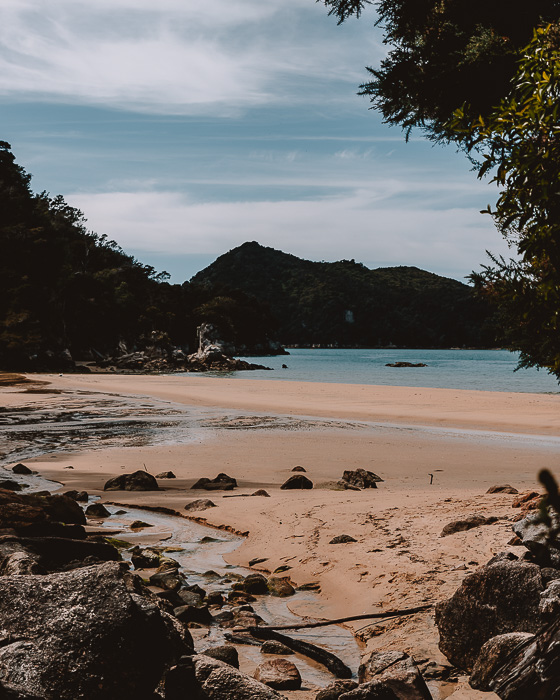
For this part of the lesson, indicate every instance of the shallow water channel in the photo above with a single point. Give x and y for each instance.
(200, 550)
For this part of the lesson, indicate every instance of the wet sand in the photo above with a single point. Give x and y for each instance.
(257, 431)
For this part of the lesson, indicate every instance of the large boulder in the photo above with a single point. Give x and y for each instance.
(361, 478)
(137, 481)
(41, 515)
(95, 632)
(397, 671)
(492, 655)
(502, 596)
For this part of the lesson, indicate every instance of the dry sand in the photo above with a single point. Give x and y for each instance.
(257, 431)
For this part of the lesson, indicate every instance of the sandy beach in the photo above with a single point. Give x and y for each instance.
(257, 431)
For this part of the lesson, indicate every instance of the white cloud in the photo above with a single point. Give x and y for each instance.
(364, 225)
(174, 56)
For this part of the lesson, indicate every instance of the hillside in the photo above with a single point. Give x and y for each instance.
(346, 304)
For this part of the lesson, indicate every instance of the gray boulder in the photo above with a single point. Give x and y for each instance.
(397, 671)
(220, 681)
(137, 481)
(95, 633)
(492, 655)
(502, 596)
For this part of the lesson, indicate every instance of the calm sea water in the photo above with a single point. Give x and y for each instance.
(489, 370)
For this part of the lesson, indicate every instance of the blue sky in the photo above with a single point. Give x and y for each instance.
(182, 129)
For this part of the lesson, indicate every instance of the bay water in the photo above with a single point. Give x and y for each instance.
(486, 370)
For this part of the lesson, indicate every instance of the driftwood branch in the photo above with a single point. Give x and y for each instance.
(330, 661)
(340, 620)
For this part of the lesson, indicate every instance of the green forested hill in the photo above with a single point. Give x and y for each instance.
(346, 304)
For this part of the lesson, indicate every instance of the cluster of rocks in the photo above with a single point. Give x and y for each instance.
(353, 479)
(502, 625)
(213, 354)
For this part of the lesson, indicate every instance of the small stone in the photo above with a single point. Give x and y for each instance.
(467, 523)
(200, 504)
(137, 524)
(299, 469)
(280, 587)
(261, 492)
(255, 584)
(361, 478)
(97, 510)
(257, 560)
(279, 674)
(297, 481)
(21, 469)
(335, 690)
(342, 539)
(165, 475)
(505, 488)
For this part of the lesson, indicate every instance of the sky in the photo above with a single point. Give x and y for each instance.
(182, 129)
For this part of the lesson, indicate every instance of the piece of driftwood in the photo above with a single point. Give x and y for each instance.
(330, 661)
(532, 670)
(340, 620)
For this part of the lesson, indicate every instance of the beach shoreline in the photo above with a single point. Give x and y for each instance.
(466, 441)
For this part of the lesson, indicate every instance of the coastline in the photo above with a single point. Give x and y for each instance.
(399, 559)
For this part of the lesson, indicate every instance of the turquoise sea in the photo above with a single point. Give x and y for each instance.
(488, 370)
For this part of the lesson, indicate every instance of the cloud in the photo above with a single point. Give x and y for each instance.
(364, 224)
(176, 56)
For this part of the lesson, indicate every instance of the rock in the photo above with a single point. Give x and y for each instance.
(280, 587)
(397, 671)
(535, 536)
(165, 475)
(11, 692)
(193, 613)
(297, 481)
(21, 469)
(271, 646)
(255, 584)
(299, 469)
(40, 555)
(189, 598)
(222, 482)
(342, 539)
(168, 580)
(138, 524)
(215, 598)
(498, 598)
(97, 510)
(524, 498)
(220, 681)
(257, 560)
(279, 674)
(145, 558)
(335, 690)
(10, 485)
(137, 481)
(549, 606)
(373, 690)
(39, 515)
(468, 523)
(506, 488)
(80, 496)
(531, 671)
(84, 634)
(361, 478)
(200, 504)
(261, 492)
(226, 653)
(492, 655)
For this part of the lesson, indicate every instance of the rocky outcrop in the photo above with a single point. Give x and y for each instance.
(137, 481)
(361, 478)
(214, 353)
(94, 633)
(502, 596)
(41, 515)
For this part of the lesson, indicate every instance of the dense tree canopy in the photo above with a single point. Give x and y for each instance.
(444, 54)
